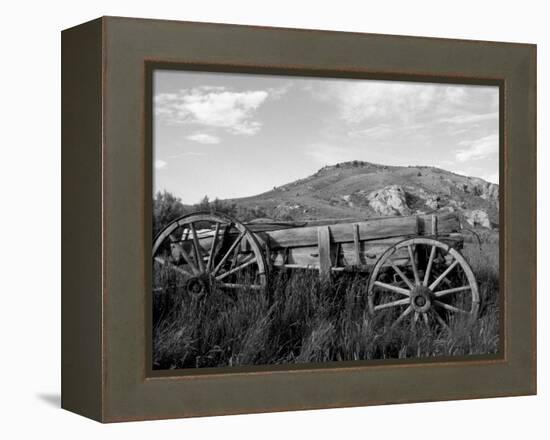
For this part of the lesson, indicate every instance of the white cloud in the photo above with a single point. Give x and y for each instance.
(375, 101)
(412, 105)
(217, 107)
(371, 101)
(478, 149)
(204, 138)
(159, 164)
(470, 118)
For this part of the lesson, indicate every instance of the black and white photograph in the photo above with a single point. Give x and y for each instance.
(233, 219)
(308, 219)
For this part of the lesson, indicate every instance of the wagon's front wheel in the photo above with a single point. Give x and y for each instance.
(203, 251)
(422, 281)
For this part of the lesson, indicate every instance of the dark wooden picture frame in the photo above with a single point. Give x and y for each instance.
(106, 214)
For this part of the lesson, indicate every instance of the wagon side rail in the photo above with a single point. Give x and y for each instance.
(352, 246)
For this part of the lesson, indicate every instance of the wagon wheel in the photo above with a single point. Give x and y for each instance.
(422, 281)
(201, 251)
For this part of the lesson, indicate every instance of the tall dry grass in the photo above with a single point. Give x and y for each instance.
(303, 319)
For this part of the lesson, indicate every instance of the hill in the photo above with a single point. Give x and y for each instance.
(361, 189)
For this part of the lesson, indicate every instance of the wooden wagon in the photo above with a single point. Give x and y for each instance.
(413, 266)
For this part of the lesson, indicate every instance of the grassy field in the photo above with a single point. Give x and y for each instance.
(301, 319)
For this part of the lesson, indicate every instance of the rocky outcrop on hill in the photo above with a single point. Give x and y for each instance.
(477, 218)
(432, 201)
(390, 200)
(480, 188)
(347, 199)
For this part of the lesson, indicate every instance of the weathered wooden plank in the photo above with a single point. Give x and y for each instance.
(368, 230)
(356, 244)
(423, 222)
(434, 221)
(370, 252)
(323, 244)
(309, 256)
(272, 225)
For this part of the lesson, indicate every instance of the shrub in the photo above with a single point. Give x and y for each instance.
(166, 208)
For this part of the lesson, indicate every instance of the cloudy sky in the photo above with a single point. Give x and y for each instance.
(234, 135)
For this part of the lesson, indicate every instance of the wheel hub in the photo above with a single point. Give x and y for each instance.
(421, 299)
(197, 286)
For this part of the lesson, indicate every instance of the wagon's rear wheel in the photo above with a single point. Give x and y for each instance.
(202, 251)
(422, 282)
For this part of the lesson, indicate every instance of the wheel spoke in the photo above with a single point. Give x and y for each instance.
(198, 250)
(401, 274)
(443, 275)
(393, 288)
(429, 267)
(186, 257)
(235, 258)
(213, 248)
(400, 302)
(441, 293)
(414, 321)
(229, 251)
(402, 316)
(172, 266)
(413, 264)
(450, 307)
(246, 263)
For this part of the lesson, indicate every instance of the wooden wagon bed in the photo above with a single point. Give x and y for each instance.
(340, 244)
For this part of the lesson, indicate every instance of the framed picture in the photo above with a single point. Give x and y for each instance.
(283, 219)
